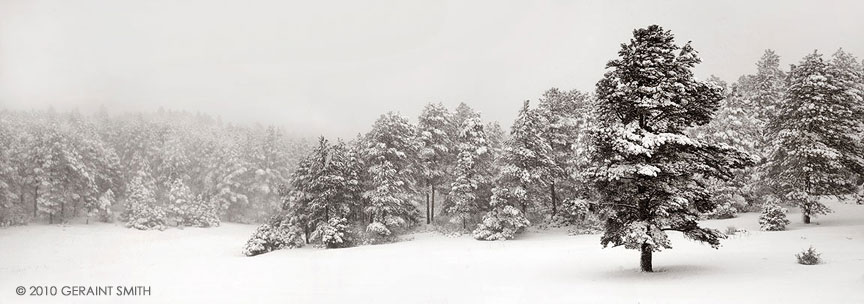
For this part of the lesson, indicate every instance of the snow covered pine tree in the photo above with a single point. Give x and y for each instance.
(647, 172)
(390, 189)
(436, 151)
(817, 149)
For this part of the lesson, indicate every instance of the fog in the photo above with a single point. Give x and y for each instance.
(331, 67)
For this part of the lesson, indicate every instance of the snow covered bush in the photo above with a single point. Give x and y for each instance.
(336, 233)
(145, 216)
(201, 213)
(185, 209)
(142, 211)
(103, 208)
(809, 257)
(571, 212)
(377, 233)
(723, 211)
(773, 218)
(501, 224)
(728, 206)
(275, 235)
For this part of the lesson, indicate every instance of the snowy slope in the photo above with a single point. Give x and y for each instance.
(205, 266)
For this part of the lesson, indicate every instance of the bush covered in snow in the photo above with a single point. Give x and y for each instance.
(571, 212)
(144, 216)
(142, 212)
(859, 196)
(809, 257)
(275, 235)
(723, 210)
(377, 233)
(336, 233)
(728, 206)
(501, 224)
(186, 209)
(773, 218)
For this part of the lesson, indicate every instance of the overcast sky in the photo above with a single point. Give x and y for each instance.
(331, 67)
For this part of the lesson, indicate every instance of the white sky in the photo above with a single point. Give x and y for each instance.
(332, 67)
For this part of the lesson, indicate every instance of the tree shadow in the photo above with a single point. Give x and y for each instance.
(660, 272)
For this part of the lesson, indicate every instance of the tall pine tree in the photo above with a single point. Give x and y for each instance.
(435, 152)
(648, 172)
(816, 150)
(471, 172)
(388, 154)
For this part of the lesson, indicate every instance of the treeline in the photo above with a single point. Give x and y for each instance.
(450, 169)
(653, 149)
(148, 170)
(802, 126)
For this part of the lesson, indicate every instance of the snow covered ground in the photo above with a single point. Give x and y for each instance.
(205, 266)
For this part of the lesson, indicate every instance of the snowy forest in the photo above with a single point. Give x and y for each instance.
(653, 149)
(751, 170)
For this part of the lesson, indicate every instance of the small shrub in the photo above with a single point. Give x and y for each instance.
(378, 233)
(731, 230)
(336, 234)
(271, 236)
(501, 224)
(773, 218)
(729, 204)
(571, 212)
(809, 257)
(723, 211)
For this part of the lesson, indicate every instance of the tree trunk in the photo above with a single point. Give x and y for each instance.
(432, 203)
(554, 200)
(306, 233)
(806, 218)
(646, 258)
(428, 219)
(35, 201)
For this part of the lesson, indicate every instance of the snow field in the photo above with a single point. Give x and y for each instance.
(196, 265)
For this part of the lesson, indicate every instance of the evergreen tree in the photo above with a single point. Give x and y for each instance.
(503, 221)
(462, 113)
(435, 151)
(648, 172)
(142, 210)
(773, 218)
(470, 174)
(388, 151)
(564, 117)
(103, 207)
(277, 233)
(735, 124)
(11, 204)
(527, 157)
(817, 150)
(325, 185)
(767, 86)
